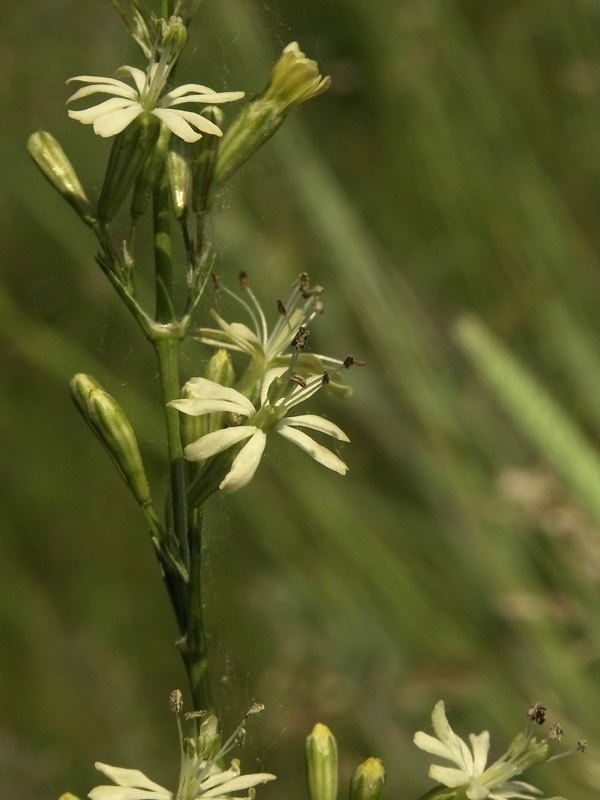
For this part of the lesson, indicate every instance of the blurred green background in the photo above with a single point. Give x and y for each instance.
(453, 167)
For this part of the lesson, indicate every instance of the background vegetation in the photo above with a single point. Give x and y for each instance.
(453, 168)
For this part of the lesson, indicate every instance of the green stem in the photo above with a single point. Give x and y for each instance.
(167, 351)
(163, 262)
(194, 647)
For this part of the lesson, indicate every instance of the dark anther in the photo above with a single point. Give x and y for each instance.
(326, 378)
(299, 380)
(281, 308)
(556, 732)
(300, 339)
(537, 713)
(243, 279)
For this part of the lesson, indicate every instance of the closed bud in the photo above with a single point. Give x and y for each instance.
(367, 780)
(180, 175)
(108, 421)
(128, 154)
(56, 167)
(321, 764)
(294, 79)
(173, 36)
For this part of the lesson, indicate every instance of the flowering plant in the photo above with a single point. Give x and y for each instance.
(242, 387)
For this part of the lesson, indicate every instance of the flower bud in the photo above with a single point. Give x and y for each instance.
(128, 154)
(205, 154)
(321, 764)
(367, 780)
(294, 79)
(56, 167)
(180, 175)
(173, 36)
(108, 421)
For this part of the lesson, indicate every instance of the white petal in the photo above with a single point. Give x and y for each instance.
(236, 784)
(432, 745)
(204, 389)
(245, 463)
(127, 793)
(217, 441)
(316, 423)
(190, 87)
(128, 777)
(212, 98)
(194, 119)
(115, 122)
(89, 115)
(480, 745)
(122, 90)
(96, 79)
(138, 75)
(461, 755)
(317, 451)
(448, 776)
(196, 408)
(180, 123)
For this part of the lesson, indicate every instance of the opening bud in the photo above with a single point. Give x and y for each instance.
(321, 764)
(367, 780)
(58, 170)
(294, 79)
(108, 421)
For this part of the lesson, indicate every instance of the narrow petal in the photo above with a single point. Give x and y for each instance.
(96, 79)
(448, 776)
(194, 119)
(204, 389)
(190, 87)
(461, 755)
(127, 793)
(177, 125)
(480, 744)
(315, 450)
(120, 90)
(89, 115)
(245, 463)
(316, 423)
(196, 408)
(217, 441)
(237, 784)
(115, 122)
(211, 98)
(138, 76)
(432, 745)
(128, 777)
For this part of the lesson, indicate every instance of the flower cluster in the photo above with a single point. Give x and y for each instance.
(280, 393)
(470, 777)
(268, 349)
(127, 103)
(202, 774)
